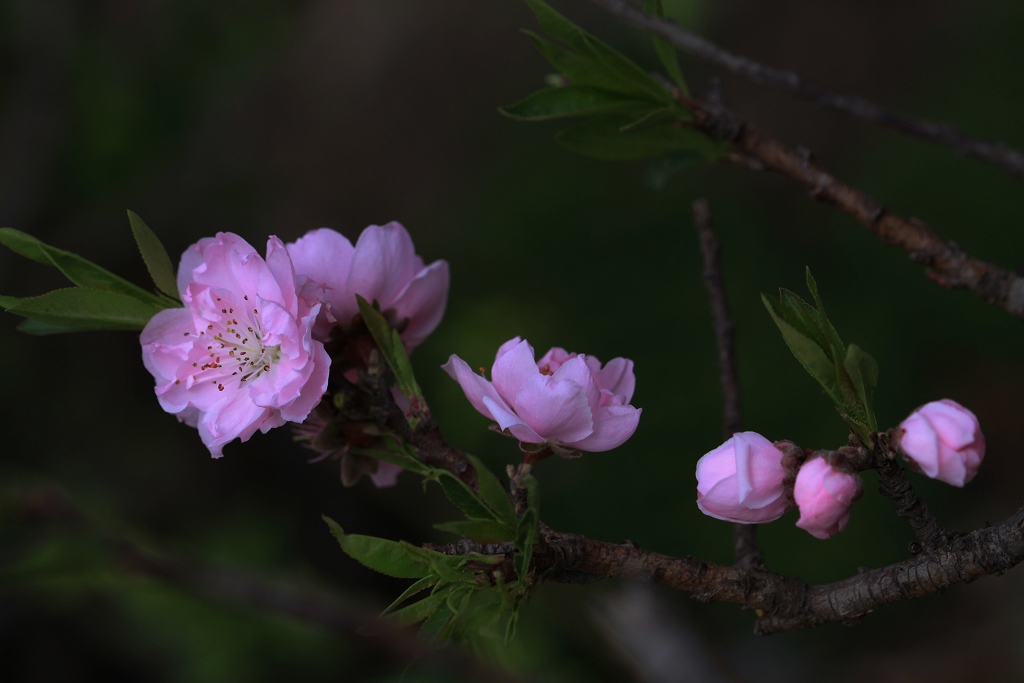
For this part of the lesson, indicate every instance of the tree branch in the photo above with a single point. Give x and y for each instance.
(953, 266)
(996, 154)
(744, 535)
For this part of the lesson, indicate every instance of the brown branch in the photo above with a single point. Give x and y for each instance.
(744, 535)
(953, 266)
(893, 483)
(999, 155)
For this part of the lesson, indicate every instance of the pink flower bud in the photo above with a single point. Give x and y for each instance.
(566, 399)
(741, 480)
(943, 440)
(824, 496)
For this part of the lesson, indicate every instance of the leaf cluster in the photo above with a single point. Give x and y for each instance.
(848, 375)
(629, 114)
(100, 300)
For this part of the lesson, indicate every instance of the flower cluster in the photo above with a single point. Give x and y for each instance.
(246, 352)
(745, 479)
(566, 400)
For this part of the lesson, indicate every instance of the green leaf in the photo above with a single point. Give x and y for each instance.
(667, 166)
(393, 349)
(417, 587)
(480, 531)
(529, 529)
(391, 558)
(464, 498)
(807, 350)
(40, 328)
(578, 70)
(158, 263)
(419, 610)
(77, 269)
(493, 492)
(437, 626)
(401, 459)
(566, 102)
(615, 65)
(665, 51)
(603, 138)
(863, 372)
(653, 116)
(79, 308)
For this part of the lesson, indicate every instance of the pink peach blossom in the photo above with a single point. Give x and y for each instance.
(944, 441)
(566, 399)
(239, 357)
(383, 267)
(824, 496)
(741, 480)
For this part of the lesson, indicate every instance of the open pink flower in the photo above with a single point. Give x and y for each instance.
(741, 480)
(239, 357)
(824, 496)
(566, 399)
(382, 266)
(944, 440)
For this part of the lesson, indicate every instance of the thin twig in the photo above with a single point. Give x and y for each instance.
(953, 267)
(744, 535)
(999, 155)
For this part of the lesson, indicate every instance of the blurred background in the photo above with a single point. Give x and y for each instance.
(273, 117)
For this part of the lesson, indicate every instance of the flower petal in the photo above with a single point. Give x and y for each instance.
(474, 386)
(613, 425)
(423, 303)
(556, 409)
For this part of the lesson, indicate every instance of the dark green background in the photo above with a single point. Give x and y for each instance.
(271, 117)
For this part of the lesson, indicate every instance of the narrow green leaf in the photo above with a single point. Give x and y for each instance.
(393, 349)
(417, 587)
(158, 263)
(464, 498)
(85, 309)
(863, 372)
(666, 167)
(566, 102)
(665, 51)
(77, 269)
(40, 328)
(480, 531)
(653, 116)
(602, 138)
(438, 625)
(402, 460)
(493, 492)
(529, 529)
(391, 558)
(419, 610)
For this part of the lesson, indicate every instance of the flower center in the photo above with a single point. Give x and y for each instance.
(235, 352)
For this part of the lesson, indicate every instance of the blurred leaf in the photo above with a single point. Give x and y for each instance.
(603, 138)
(665, 167)
(40, 328)
(566, 102)
(653, 116)
(77, 269)
(437, 626)
(480, 531)
(493, 492)
(158, 263)
(391, 558)
(79, 309)
(665, 51)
